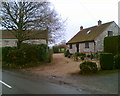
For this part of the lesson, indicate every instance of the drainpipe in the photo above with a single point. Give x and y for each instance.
(94, 47)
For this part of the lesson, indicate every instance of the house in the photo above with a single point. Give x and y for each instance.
(92, 39)
(8, 39)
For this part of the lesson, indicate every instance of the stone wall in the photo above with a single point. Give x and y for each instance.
(99, 41)
(81, 47)
(8, 42)
(13, 42)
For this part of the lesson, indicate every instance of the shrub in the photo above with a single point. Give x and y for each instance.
(75, 55)
(67, 53)
(88, 56)
(42, 50)
(49, 55)
(106, 61)
(91, 56)
(88, 67)
(56, 49)
(82, 57)
(82, 54)
(27, 53)
(113, 47)
(117, 61)
(6, 53)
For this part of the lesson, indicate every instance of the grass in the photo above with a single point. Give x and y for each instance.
(99, 73)
(28, 65)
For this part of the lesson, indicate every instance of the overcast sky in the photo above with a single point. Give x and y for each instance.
(85, 13)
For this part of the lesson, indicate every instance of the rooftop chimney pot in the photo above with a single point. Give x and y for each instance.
(81, 28)
(99, 22)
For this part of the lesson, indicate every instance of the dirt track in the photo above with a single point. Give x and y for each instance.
(60, 66)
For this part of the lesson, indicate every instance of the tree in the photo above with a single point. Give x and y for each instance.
(22, 17)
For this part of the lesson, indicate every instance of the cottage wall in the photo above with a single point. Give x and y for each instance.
(13, 42)
(8, 42)
(73, 50)
(99, 41)
(36, 41)
(83, 49)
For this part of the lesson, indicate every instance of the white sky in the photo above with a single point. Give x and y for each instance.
(85, 13)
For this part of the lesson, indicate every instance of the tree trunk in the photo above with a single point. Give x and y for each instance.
(19, 44)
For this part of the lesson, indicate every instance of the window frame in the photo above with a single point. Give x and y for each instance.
(70, 45)
(86, 44)
(110, 33)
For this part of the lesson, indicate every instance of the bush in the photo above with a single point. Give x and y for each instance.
(6, 54)
(88, 56)
(117, 61)
(106, 61)
(67, 53)
(49, 55)
(91, 56)
(82, 54)
(28, 53)
(82, 57)
(56, 49)
(88, 67)
(113, 47)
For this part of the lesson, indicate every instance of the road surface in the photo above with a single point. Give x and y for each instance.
(22, 84)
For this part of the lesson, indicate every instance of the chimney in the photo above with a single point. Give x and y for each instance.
(99, 22)
(81, 28)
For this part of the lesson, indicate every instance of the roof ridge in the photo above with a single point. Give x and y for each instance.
(95, 31)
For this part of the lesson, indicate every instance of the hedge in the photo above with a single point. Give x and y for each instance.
(112, 44)
(117, 61)
(88, 67)
(26, 54)
(106, 61)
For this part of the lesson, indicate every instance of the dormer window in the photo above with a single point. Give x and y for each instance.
(88, 31)
(110, 33)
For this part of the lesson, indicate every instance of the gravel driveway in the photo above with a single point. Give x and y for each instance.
(61, 71)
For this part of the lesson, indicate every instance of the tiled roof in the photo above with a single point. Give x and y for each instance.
(89, 34)
(34, 35)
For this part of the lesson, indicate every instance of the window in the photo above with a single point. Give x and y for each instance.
(70, 46)
(87, 45)
(88, 31)
(110, 33)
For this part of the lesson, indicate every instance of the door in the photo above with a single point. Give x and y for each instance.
(77, 46)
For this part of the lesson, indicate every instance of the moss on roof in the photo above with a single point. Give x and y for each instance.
(35, 34)
(95, 31)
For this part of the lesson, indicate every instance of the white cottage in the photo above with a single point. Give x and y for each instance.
(91, 39)
(8, 39)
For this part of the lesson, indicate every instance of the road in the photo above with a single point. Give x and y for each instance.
(26, 84)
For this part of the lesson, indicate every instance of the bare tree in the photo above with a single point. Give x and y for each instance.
(21, 17)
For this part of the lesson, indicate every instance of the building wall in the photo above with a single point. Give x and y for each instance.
(8, 42)
(81, 47)
(99, 41)
(73, 50)
(37, 41)
(13, 42)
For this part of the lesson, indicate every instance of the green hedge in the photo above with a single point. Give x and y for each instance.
(106, 61)
(117, 61)
(88, 67)
(26, 54)
(58, 49)
(112, 44)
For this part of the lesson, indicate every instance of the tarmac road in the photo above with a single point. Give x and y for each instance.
(23, 84)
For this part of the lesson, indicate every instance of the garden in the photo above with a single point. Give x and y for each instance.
(109, 59)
